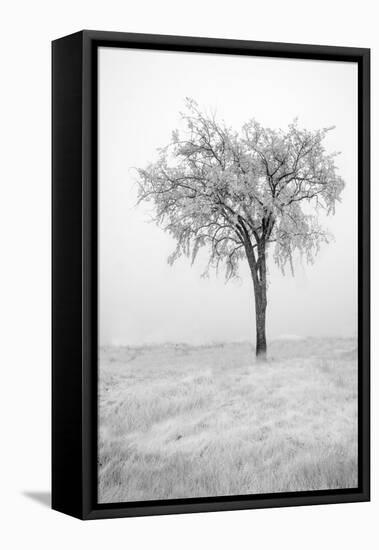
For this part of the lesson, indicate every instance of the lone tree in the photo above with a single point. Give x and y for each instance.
(239, 193)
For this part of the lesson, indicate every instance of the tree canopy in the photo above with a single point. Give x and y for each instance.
(239, 192)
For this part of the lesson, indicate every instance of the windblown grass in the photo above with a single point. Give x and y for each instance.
(179, 421)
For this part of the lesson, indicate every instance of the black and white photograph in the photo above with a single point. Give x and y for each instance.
(227, 275)
(186, 259)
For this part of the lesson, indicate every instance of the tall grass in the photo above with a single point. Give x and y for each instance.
(178, 421)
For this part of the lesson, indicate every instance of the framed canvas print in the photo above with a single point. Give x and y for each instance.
(210, 274)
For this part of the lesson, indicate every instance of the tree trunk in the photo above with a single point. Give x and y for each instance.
(260, 321)
(258, 274)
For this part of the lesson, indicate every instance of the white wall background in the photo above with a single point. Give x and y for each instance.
(27, 28)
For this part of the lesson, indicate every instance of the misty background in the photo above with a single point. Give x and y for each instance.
(144, 300)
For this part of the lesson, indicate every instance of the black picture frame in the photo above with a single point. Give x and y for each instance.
(74, 273)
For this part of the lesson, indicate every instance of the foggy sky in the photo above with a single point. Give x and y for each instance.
(141, 298)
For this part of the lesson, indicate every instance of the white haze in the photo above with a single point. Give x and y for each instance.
(141, 298)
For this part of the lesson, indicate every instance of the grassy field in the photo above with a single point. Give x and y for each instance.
(180, 421)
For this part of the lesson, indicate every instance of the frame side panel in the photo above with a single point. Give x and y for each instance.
(67, 275)
(364, 263)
